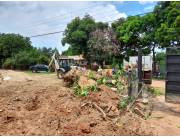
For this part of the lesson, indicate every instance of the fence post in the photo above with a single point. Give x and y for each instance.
(139, 69)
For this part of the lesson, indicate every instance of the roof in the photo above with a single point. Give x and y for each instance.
(76, 57)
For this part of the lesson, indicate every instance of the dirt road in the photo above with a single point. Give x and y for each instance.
(166, 116)
(40, 104)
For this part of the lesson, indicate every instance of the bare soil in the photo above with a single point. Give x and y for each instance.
(40, 104)
(166, 116)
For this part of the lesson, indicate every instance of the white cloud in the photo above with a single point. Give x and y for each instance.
(32, 18)
(143, 2)
(148, 8)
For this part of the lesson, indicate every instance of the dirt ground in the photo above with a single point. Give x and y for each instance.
(166, 116)
(40, 104)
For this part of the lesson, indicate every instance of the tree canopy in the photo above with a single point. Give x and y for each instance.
(77, 34)
(167, 16)
(16, 52)
(157, 29)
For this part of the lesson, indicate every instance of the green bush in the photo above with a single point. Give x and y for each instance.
(85, 90)
(43, 59)
(91, 75)
(9, 63)
(155, 91)
(124, 102)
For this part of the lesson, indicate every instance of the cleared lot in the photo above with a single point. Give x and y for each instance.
(40, 104)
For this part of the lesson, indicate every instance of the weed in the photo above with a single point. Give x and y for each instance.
(155, 91)
(91, 75)
(125, 102)
(85, 90)
(76, 88)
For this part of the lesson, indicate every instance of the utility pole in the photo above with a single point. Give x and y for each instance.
(139, 69)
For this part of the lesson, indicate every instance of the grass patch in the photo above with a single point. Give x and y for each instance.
(38, 73)
(155, 91)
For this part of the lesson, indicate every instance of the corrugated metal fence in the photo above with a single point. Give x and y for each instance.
(173, 74)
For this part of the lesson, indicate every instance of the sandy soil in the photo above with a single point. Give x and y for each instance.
(158, 83)
(166, 116)
(40, 104)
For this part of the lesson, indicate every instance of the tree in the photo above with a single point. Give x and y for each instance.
(103, 45)
(77, 34)
(11, 44)
(168, 19)
(48, 52)
(117, 23)
(131, 35)
(149, 29)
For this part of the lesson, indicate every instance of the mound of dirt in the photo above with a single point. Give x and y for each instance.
(85, 82)
(70, 77)
(32, 103)
(105, 95)
(47, 107)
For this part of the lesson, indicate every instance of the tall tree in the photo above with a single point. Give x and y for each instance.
(103, 44)
(168, 19)
(11, 44)
(131, 35)
(77, 34)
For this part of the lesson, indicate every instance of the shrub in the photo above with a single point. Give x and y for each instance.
(155, 91)
(85, 90)
(124, 102)
(9, 63)
(43, 59)
(91, 75)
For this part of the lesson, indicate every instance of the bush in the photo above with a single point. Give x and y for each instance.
(43, 59)
(155, 91)
(79, 91)
(9, 63)
(124, 102)
(24, 60)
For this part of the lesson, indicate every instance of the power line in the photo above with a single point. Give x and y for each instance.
(46, 34)
(63, 31)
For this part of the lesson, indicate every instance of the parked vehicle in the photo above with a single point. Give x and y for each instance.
(39, 67)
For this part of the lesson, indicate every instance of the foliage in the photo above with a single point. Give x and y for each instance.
(124, 102)
(155, 91)
(103, 45)
(117, 23)
(77, 33)
(91, 75)
(48, 52)
(9, 63)
(167, 16)
(131, 34)
(11, 44)
(78, 90)
(100, 42)
(160, 56)
(16, 52)
(117, 81)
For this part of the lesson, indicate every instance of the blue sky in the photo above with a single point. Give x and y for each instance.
(33, 18)
(135, 7)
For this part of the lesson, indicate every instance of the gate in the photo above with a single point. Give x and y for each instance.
(173, 75)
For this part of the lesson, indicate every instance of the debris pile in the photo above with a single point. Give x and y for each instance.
(143, 109)
(49, 108)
